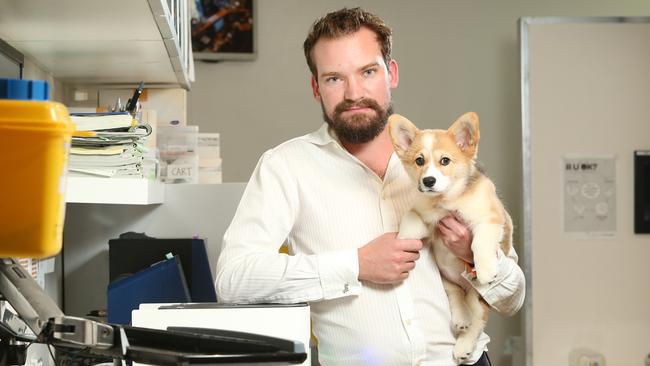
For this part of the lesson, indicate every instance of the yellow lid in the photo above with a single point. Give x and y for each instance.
(41, 115)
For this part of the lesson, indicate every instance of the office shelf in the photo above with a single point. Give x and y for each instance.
(133, 191)
(99, 42)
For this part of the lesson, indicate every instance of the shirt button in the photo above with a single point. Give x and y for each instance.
(408, 322)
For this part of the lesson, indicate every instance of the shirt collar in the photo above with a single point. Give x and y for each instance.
(323, 136)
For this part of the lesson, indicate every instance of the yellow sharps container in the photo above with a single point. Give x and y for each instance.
(34, 144)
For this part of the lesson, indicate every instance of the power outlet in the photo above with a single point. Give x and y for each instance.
(512, 345)
(585, 357)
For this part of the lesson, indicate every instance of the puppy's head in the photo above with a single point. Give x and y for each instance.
(438, 161)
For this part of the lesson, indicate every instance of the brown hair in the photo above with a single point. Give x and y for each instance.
(344, 22)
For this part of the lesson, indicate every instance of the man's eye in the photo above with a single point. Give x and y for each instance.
(331, 79)
(419, 161)
(445, 161)
(369, 72)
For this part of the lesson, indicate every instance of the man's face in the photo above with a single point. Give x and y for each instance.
(353, 85)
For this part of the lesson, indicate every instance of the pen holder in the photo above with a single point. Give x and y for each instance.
(35, 136)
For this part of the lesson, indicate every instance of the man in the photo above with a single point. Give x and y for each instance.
(336, 196)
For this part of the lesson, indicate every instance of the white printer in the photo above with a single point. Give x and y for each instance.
(291, 322)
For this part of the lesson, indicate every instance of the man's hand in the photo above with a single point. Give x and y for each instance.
(387, 259)
(457, 237)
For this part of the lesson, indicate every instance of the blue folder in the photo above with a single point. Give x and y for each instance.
(163, 282)
(129, 255)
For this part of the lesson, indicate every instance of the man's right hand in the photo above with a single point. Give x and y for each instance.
(387, 259)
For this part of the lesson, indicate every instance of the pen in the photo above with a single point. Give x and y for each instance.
(133, 102)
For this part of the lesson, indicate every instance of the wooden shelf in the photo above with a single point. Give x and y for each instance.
(125, 191)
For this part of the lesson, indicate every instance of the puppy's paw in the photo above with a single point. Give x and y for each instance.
(412, 227)
(486, 271)
(463, 350)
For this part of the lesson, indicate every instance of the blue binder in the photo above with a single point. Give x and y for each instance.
(129, 255)
(163, 282)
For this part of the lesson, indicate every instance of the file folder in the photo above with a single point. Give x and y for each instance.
(163, 282)
(129, 255)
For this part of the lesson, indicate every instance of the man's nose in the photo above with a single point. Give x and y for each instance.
(353, 89)
(428, 181)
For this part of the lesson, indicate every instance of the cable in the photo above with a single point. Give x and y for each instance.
(51, 354)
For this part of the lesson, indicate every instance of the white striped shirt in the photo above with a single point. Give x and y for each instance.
(326, 204)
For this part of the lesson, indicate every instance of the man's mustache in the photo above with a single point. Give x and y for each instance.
(363, 103)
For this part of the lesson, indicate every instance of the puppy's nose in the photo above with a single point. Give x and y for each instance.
(429, 181)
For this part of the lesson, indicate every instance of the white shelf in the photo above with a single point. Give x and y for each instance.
(129, 191)
(98, 42)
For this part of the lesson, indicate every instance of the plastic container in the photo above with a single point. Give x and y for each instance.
(34, 143)
(179, 159)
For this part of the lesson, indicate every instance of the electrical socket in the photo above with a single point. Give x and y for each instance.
(512, 345)
(585, 357)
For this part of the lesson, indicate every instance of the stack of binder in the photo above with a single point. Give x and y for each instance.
(117, 150)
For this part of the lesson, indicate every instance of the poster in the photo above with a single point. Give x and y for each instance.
(589, 196)
(223, 29)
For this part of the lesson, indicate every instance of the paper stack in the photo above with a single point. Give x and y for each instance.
(209, 158)
(116, 151)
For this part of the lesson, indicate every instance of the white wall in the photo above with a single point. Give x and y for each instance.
(454, 56)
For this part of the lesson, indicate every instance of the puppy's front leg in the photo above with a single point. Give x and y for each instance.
(412, 227)
(486, 241)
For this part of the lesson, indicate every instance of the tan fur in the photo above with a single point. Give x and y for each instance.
(462, 189)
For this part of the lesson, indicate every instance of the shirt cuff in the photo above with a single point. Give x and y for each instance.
(488, 290)
(339, 273)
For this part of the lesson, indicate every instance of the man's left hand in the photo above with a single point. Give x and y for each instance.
(457, 237)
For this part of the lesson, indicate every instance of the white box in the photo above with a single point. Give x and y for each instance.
(210, 162)
(209, 177)
(209, 139)
(210, 152)
(209, 145)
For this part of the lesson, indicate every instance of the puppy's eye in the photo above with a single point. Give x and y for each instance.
(445, 161)
(419, 161)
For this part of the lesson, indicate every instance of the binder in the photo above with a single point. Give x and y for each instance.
(129, 255)
(163, 282)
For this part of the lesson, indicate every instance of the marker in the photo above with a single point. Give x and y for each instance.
(131, 106)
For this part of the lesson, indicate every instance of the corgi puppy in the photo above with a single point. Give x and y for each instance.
(442, 166)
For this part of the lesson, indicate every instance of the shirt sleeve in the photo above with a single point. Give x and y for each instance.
(250, 269)
(507, 292)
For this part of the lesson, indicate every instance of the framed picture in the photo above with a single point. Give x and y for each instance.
(223, 29)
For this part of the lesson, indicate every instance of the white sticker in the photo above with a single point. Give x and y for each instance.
(178, 171)
(590, 196)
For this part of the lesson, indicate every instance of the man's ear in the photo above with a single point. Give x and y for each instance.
(393, 73)
(314, 88)
(402, 133)
(465, 132)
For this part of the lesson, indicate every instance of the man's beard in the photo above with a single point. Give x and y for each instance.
(360, 127)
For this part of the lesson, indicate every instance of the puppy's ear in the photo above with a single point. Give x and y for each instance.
(465, 132)
(402, 133)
